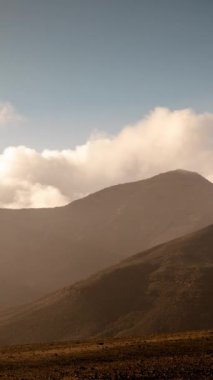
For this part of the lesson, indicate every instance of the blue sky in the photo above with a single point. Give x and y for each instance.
(74, 66)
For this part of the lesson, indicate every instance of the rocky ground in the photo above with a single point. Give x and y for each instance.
(186, 356)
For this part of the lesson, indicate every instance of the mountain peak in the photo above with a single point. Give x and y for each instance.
(186, 172)
(181, 174)
(97, 231)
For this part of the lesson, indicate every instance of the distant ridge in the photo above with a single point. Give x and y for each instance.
(167, 288)
(45, 249)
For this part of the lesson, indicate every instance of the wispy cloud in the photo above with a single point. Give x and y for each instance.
(9, 115)
(164, 140)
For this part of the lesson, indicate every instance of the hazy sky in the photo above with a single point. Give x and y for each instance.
(74, 66)
(96, 92)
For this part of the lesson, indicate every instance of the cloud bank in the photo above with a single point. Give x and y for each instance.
(163, 140)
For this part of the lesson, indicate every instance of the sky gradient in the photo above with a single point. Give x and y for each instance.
(72, 67)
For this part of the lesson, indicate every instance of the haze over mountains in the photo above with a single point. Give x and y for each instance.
(46, 249)
(164, 289)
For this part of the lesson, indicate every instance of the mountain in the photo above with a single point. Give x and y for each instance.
(45, 249)
(167, 288)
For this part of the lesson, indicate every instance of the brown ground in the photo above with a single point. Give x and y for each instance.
(180, 356)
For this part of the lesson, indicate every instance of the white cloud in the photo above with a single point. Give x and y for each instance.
(164, 140)
(8, 114)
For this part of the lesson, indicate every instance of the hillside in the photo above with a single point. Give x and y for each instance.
(167, 288)
(46, 249)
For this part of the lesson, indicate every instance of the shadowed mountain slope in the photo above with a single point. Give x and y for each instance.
(42, 250)
(167, 288)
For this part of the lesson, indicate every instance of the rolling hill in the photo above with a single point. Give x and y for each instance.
(42, 250)
(167, 288)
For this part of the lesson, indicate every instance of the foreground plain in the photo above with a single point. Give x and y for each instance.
(178, 356)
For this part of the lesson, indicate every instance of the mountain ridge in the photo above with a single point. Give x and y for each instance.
(46, 249)
(167, 288)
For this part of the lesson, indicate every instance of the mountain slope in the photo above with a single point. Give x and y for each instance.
(46, 249)
(164, 289)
